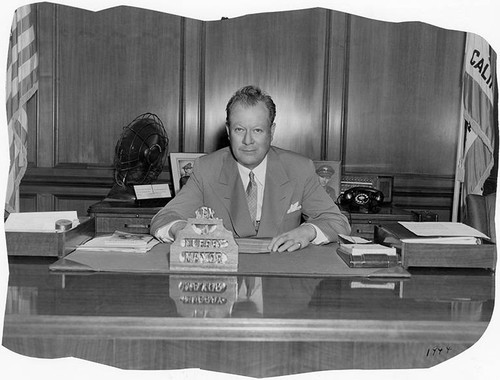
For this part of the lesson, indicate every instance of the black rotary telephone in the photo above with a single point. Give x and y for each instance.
(362, 199)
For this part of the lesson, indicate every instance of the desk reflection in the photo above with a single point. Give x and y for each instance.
(203, 296)
(254, 325)
(217, 296)
(452, 296)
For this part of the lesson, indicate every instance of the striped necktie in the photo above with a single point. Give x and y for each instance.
(252, 197)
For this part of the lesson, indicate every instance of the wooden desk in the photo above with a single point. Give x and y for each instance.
(128, 216)
(124, 216)
(295, 325)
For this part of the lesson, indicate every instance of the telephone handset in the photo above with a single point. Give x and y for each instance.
(365, 199)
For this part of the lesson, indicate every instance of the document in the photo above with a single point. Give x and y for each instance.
(127, 239)
(447, 231)
(120, 242)
(360, 249)
(152, 191)
(353, 239)
(38, 221)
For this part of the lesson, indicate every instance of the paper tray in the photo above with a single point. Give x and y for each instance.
(448, 255)
(52, 244)
(435, 255)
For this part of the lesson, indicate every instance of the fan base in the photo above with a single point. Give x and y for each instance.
(122, 193)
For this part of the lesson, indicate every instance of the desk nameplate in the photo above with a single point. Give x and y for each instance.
(204, 245)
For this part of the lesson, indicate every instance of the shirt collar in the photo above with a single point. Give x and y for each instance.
(259, 171)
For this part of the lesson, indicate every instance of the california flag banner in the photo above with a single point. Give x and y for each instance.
(479, 82)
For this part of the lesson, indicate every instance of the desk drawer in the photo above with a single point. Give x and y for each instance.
(126, 224)
(364, 230)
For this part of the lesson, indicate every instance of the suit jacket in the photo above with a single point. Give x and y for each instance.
(292, 195)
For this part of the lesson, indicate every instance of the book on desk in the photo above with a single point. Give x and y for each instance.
(368, 255)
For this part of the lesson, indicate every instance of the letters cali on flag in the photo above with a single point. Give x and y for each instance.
(479, 82)
(22, 83)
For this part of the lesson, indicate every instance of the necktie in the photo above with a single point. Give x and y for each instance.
(252, 197)
(250, 285)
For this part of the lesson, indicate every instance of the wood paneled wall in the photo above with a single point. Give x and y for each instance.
(384, 98)
(404, 98)
(283, 53)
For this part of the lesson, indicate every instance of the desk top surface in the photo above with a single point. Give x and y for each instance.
(428, 295)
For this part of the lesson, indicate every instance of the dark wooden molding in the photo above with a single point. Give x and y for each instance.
(325, 128)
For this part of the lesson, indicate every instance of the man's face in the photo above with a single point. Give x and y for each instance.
(250, 133)
(323, 180)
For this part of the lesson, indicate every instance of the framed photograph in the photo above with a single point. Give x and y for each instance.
(329, 175)
(181, 165)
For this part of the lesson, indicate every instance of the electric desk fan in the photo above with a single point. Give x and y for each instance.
(139, 155)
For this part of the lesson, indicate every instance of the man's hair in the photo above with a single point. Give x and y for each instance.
(250, 96)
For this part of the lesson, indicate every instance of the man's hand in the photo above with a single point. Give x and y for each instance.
(174, 230)
(293, 240)
(167, 235)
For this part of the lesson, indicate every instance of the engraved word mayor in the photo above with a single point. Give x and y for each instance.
(204, 245)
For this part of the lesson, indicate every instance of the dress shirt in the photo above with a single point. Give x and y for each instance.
(260, 178)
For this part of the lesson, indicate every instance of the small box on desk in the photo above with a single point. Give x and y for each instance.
(55, 244)
(368, 255)
(435, 255)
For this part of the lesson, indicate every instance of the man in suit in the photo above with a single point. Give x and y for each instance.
(283, 199)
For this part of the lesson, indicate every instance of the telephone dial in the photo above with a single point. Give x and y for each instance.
(362, 199)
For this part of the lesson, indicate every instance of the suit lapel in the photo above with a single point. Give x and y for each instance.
(233, 197)
(277, 196)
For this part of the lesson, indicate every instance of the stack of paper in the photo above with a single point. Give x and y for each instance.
(359, 249)
(442, 233)
(253, 245)
(121, 242)
(348, 239)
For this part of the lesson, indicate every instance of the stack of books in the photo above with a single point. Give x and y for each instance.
(368, 255)
(121, 242)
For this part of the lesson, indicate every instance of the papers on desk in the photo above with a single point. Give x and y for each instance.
(359, 249)
(120, 242)
(253, 245)
(445, 240)
(127, 239)
(442, 233)
(38, 221)
(348, 239)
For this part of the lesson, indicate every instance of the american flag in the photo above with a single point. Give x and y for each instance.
(22, 83)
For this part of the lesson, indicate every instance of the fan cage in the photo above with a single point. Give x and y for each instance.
(140, 151)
